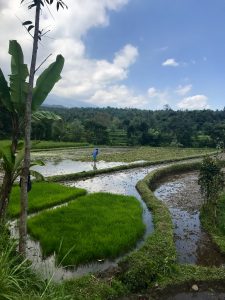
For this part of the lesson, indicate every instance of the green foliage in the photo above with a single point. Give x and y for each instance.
(12, 163)
(211, 179)
(155, 263)
(13, 98)
(216, 228)
(96, 226)
(40, 115)
(16, 277)
(43, 195)
(45, 145)
(19, 73)
(93, 288)
(46, 82)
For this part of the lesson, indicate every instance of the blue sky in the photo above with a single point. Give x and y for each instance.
(192, 32)
(132, 53)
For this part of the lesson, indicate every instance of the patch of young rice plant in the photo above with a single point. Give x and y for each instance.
(96, 226)
(43, 195)
(152, 154)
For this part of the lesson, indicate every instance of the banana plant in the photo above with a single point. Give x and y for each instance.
(11, 163)
(13, 97)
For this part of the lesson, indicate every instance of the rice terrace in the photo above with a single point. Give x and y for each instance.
(112, 150)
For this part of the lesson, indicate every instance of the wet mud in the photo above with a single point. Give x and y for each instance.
(181, 193)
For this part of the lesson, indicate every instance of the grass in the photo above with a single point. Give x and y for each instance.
(43, 195)
(38, 145)
(216, 228)
(96, 226)
(19, 282)
(153, 154)
(155, 263)
(127, 154)
(93, 288)
(157, 257)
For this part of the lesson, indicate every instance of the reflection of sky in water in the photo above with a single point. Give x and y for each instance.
(69, 166)
(122, 182)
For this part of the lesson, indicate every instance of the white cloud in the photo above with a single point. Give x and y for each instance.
(120, 96)
(158, 97)
(126, 56)
(170, 62)
(152, 92)
(83, 78)
(194, 102)
(183, 90)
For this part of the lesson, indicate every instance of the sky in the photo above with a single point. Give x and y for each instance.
(128, 53)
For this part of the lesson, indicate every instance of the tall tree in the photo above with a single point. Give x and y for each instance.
(27, 123)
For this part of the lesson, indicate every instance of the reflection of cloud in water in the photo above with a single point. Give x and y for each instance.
(120, 182)
(69, 166)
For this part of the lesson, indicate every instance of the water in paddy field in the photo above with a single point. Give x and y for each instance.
(69, 166)
(181, 194)
(122, 182)
(68, 161)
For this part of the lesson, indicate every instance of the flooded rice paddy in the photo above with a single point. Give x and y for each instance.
(69, 166)
(181, 194)
(122, 182)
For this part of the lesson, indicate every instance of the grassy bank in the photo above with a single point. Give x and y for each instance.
(155, 264)
(157, 257)
(96, 226)
(43, 195)
(216, 228)
(39, 145)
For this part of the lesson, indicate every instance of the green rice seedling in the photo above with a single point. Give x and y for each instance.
(38, 145)
(96, 226)
(43, 195)
(152, 154)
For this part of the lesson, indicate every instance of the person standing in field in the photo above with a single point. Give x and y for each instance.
(95, 154)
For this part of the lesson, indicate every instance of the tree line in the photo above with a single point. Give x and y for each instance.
(115, 126)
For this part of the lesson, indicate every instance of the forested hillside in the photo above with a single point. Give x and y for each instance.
(113, 126)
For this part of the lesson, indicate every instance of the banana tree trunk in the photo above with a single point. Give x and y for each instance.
(5, 194)
(27, 134)
(8, 176)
